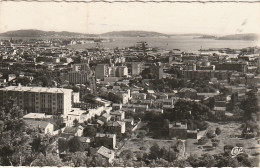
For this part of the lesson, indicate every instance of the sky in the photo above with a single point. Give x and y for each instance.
(170, 18)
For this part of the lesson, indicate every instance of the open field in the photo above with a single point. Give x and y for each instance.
(227, 137)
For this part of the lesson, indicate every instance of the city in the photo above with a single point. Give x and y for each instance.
(138, 105)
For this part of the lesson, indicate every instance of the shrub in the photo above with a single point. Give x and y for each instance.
(203, 141)
(211, 134)
(218, 131)
(215, 142)
(142, 148)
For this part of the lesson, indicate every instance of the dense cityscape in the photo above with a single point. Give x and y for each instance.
(133, 106)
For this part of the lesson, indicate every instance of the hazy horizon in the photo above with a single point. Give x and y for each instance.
(98, 18)
(170, 34)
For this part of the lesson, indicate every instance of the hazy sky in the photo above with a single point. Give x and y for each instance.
(210, 18)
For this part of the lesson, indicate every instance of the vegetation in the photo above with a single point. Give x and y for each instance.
(203, 141)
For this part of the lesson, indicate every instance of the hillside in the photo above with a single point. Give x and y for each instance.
(40, 33)
(133, 34)
(249, 36)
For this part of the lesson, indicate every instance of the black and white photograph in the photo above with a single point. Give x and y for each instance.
(129, 83)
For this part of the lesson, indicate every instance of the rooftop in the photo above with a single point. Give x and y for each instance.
(71, 130)
(36, 124)
(34, 115)
(105, 152)
(105, 135)
(36, 89)
(178, 125)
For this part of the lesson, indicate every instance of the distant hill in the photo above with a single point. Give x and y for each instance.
(133, 34)
(249, 36)
(40, 33)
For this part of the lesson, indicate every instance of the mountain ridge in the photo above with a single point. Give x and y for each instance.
(40, 33)
(136, 33)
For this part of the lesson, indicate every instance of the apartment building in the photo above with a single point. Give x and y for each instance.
(39, 99)
(76, 77)
(200, 74)
(101, 71)
(136, 68)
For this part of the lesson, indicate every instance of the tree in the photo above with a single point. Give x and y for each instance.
(206, 160)
(223, 160)
(211, 134)
(159, 163)
(114, 98)
(232, 104)
(218, 131)
(155, 152)
(96, 161)
(215, 142)
(75, 89)
(180, 163)
(48, 160)
(203, 140)
(15, 149)
(40, 144)
(23, 81)
(141, 135)
(62, 145)
(75, 122)
(250, 105)
(211, 102)
(89, 131)
(2, 124)
(243, 159)
(79, 158)
(126, 155)
(75, 145)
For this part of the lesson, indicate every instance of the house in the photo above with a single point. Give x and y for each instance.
(192, 134)
(220, 103)
(129, 122)
(117, 127)
(102, 102)
(118, 115)
(178, 130)
(73, 131)
(11, 77)
(155, 110)
(220, 111)
(34, 116)
(85, 140)
(106, 153)
(116, 106)
(105, 117)
(3, 82)
(128, 110)
(106, 139)
(138, 96)
(99, 122)
(207, 95)
(44, 126)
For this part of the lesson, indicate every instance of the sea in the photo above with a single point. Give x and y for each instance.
(183, 43)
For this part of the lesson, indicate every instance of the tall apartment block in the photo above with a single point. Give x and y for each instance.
(101, 71)
(50, 101)
(136, 68)
(76, 77)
